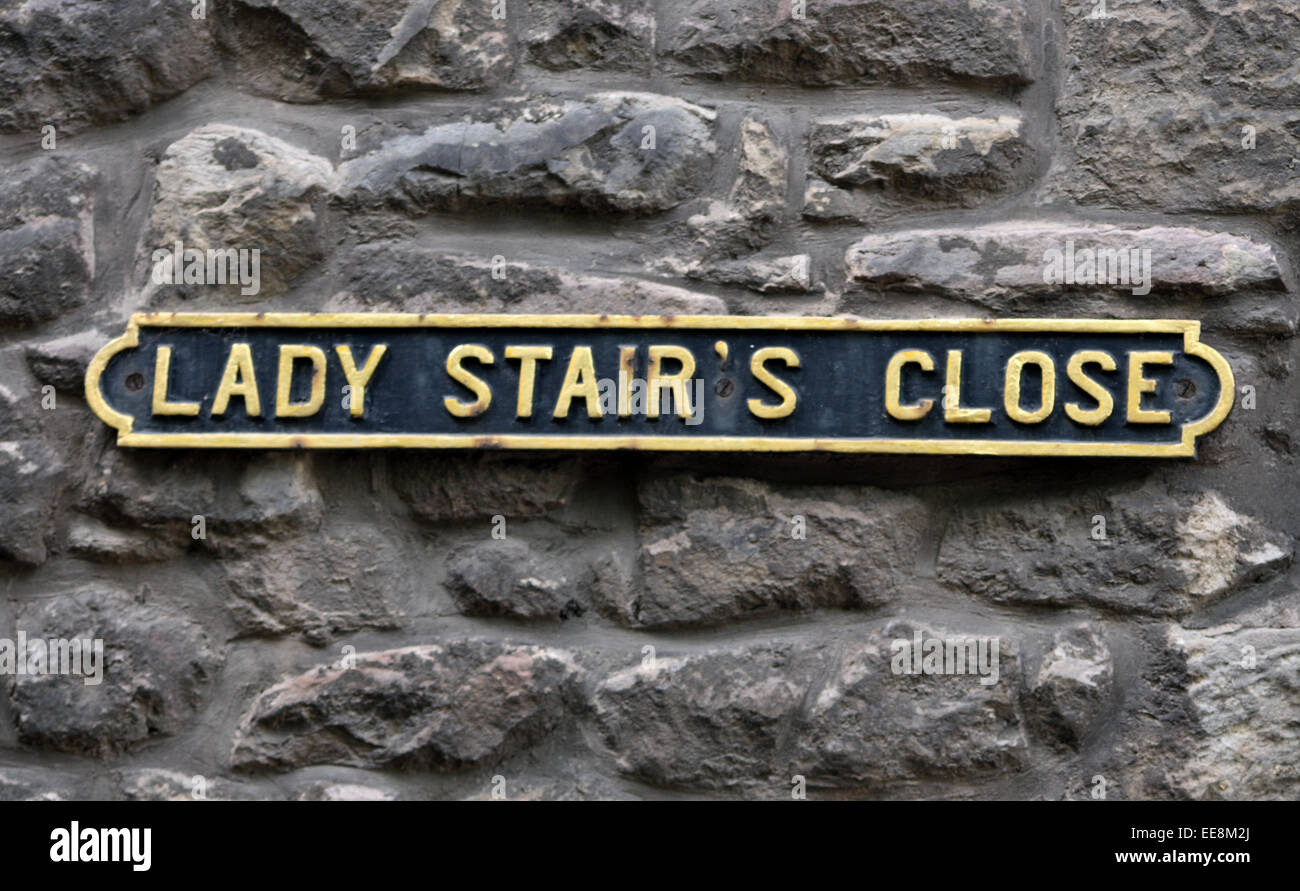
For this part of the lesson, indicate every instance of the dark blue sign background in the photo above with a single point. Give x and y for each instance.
(840, 382)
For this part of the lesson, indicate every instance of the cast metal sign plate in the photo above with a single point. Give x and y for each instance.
(682, 383)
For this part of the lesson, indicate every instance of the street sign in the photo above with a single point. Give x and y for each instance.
(680, 383)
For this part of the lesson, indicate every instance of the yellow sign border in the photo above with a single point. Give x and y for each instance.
(1191, 331)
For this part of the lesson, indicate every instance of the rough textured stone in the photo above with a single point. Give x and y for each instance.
(149, 489)
(29, 475)
(268, 493)
(322, 791)
(25, 784)
(993, 265)
(301, 50)
(955, 154)
(223, 187)
(1073, 686)
(1243, 686)
(593, 154)
(47, 239)
(32, 473)
(722, 229)
(1165, 552)
(69, 64)
(444, 707)
(825, 203)
(602, 34)
(766, 275)
(92, 540)
(424, 156)
(905, 158)
(757, 715)
(402, 278)
(510, 577)
(759, 190)
(468, 488)
(745, 221)
(157, 670)
(716, 549)
(1229, 280)
(1282, 610)
(62, 362)
(320, 585)
(1155, 98)
(161, 784)
(574, 785)
(852, 41)
(1146, 738)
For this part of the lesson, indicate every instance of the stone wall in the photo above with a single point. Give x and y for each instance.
(348, 625)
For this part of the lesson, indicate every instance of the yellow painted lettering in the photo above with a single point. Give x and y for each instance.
(1011, 386)
(289, 354)
(772, 382)
(657, 381)
(527, 356)
(358, 380)
(1090, 417)
(579, 380)
(894, 385)
(482, 392)
(1137, 385)
(238, 379)
(161, 372)
(953, 413)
